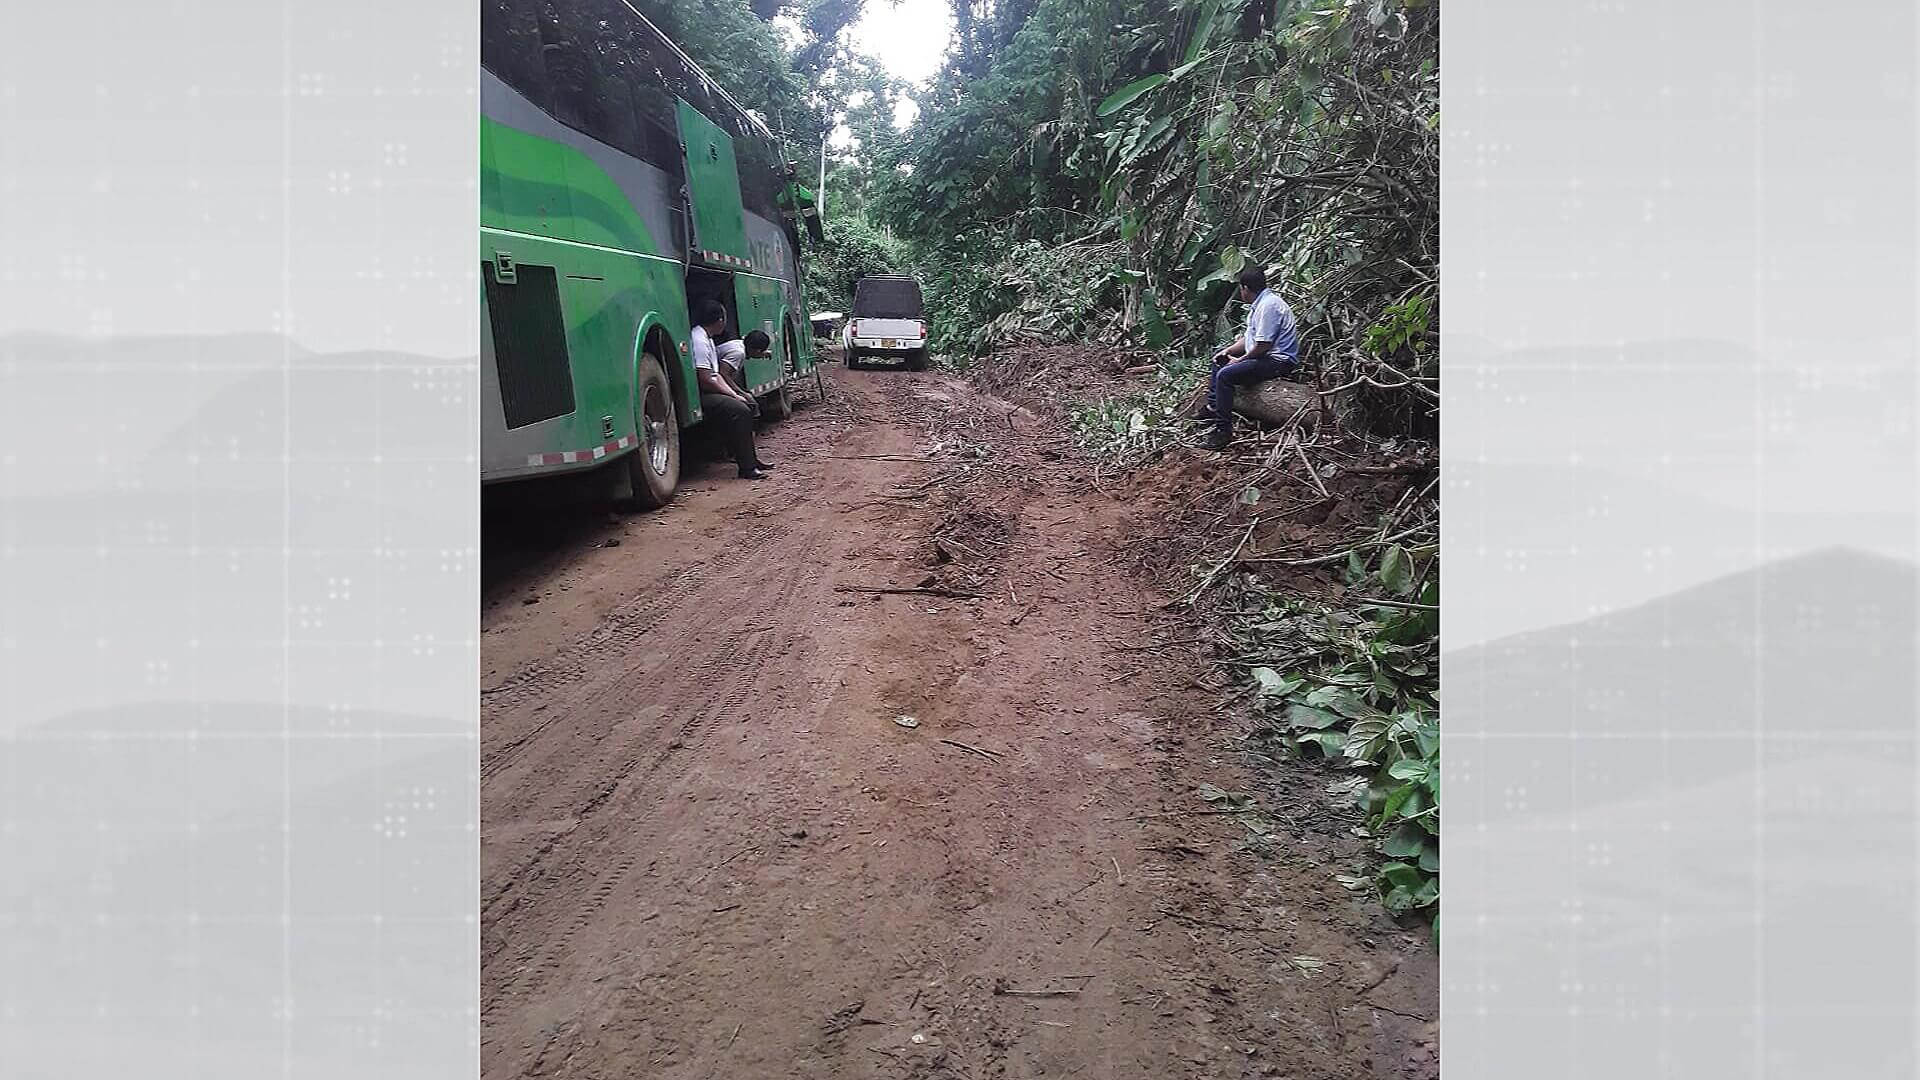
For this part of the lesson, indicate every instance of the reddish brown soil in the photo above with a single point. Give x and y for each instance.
(709, 850)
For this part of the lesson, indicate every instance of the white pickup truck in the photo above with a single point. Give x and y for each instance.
(888, 322)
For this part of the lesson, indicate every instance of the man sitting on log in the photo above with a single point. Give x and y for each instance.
(1270, 349)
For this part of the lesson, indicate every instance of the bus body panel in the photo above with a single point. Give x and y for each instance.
(758, 301)
(539, 175)
(553, 197)
(774, 257)
(608, 300)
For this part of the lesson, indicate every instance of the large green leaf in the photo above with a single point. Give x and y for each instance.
(1402, 800)
(1409, 769)
(1221, 122)
(1231, 260)
(1321, 744)
(1273, 684)
(1341, 700)
(1151, 138)
(1159, 334)
(1127, 94)
(1202, 30)
(1406, 888)
(1396, 571)
(1405, 842)
(1310, 718)
(1182, 70)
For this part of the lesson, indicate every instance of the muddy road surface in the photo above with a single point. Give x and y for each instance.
(745, 815)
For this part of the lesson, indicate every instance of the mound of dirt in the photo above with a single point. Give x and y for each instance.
(1053, 380)
(1285, 503)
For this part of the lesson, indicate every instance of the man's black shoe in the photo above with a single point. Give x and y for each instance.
(753, 474)
(762, 466)
(1217, 440)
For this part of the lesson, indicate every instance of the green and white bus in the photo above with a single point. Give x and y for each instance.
(618, 184)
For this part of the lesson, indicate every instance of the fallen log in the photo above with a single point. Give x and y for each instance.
(1274, 402)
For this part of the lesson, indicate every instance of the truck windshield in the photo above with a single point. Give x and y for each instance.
(887, 298)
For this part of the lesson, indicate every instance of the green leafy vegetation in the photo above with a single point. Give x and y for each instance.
(1139, 427)
(853, 249)
(1177, 143)
(746, 54)
(1362, 694)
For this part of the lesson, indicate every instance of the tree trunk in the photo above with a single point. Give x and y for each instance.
(1273, 402)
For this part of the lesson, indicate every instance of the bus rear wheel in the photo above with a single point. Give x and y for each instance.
(779, 404)
(655, 467)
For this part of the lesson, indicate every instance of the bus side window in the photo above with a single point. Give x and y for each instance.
(760, 175)
(510, 47)
(590, 92)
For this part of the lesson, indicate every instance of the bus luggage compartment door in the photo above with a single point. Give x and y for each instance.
(713, 186)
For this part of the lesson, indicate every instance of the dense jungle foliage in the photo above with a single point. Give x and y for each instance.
(1100, 169)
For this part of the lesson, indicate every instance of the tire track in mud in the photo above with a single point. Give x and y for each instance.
(624, 628)
(618, 634)
(571, 689)
(722, 683)
(597, 711)
(684, 743)
(623, 657)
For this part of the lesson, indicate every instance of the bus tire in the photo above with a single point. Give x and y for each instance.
(779, 404)
(654, 466)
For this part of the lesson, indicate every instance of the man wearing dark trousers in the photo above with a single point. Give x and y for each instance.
(1269, 349)
(723, 405)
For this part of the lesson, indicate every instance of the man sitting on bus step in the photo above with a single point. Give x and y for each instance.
(732, 410)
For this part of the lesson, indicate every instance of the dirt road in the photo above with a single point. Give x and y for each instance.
(710, 849)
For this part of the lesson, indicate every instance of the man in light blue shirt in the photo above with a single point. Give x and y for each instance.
(1269, 349)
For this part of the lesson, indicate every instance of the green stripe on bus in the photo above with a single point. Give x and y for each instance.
(535, 185)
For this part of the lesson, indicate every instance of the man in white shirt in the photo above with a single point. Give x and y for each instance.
(733, 363)
(732, 410)
(1269, 349)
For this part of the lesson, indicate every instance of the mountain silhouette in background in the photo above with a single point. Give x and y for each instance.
(147, 869)
(1712, 418)
(1666, 804)
(410, 414)
(222, 412)
(1727, 658)
(1539, 545)
(216, 472)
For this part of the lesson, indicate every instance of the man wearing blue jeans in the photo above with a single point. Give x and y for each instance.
(1269, 349)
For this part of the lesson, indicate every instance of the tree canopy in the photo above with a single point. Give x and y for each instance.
(1103, 168)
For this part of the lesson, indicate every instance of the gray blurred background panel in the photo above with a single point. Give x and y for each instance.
(1679, 487)
(238, 541)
